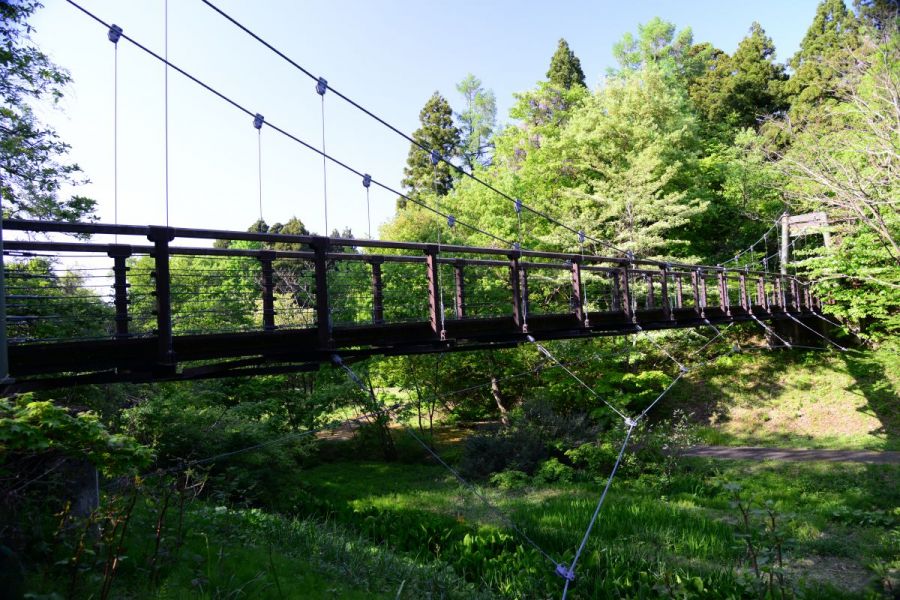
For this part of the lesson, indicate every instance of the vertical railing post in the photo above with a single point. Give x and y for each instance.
(664, 292)
(577, 296)
(796, 301)
(266, 259)
(320, 246)
(724, 300)
(460, 286)
(679, 292)
(377, 292)
(651, 301)
(625, 290)
(4, 342)
(745, 298)
(161, 236)
(119, 254)
(699, 291)
(782, 294)
(762, 298)
(434, 293)
(615, 292)
(518, 305)
(776, 293)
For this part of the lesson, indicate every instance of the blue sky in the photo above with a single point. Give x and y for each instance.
(389, 56)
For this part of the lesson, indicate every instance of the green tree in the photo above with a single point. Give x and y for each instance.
(816, 65)
(437, 133)
(658, 44)
(740, 89)
(565, 68)
(476, 122)
(32, 156)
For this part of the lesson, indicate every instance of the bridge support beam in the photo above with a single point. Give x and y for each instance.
(161, 236)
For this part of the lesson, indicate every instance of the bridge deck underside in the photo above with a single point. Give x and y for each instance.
(297, 349)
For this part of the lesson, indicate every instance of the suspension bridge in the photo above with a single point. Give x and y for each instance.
(244, 311)
(161, 303)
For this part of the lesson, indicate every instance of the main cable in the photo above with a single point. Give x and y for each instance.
(284, 132)
(404, 135)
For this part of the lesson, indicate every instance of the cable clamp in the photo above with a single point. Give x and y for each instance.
(435, 157)
(516, 246)
(532, 340)
(451, 221)
(630, 422)
(321, 86)
(114, 33)
(580, 237)
(683, 368)
(367, 180)
(518, 206)
(565, 572)
(258, 121)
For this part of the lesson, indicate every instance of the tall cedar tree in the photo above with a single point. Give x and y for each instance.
(742, 88)
(565, 68)
(476, 122)
(834, 32)
(32, 165)
(437, 132)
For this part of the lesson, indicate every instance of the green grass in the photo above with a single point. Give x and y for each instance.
(249, 553)
(797, 400)
(841, 518)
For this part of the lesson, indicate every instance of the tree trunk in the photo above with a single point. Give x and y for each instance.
(498, 398)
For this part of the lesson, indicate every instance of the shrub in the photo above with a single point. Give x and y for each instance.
(553, 471)
(510, 480)
(515, 448)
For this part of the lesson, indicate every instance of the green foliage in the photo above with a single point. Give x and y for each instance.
(29, 427)
(32, 157)
(50, 304)
(553, 471)
(510, 479)
(438, 133)
(812, 85)
(565, 68)
(477, 122)
(743, 88)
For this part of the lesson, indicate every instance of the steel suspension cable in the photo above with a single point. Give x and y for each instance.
(282, 131)
(404, 135)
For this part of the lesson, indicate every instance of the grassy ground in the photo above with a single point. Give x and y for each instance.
(798, 400)
(839, 522)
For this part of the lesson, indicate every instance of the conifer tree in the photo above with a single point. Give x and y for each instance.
(438, 133)
(565, 68)
(834, 31)
(476, 122)
(741, 88)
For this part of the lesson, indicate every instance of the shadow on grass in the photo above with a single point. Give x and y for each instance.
(871, 381)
